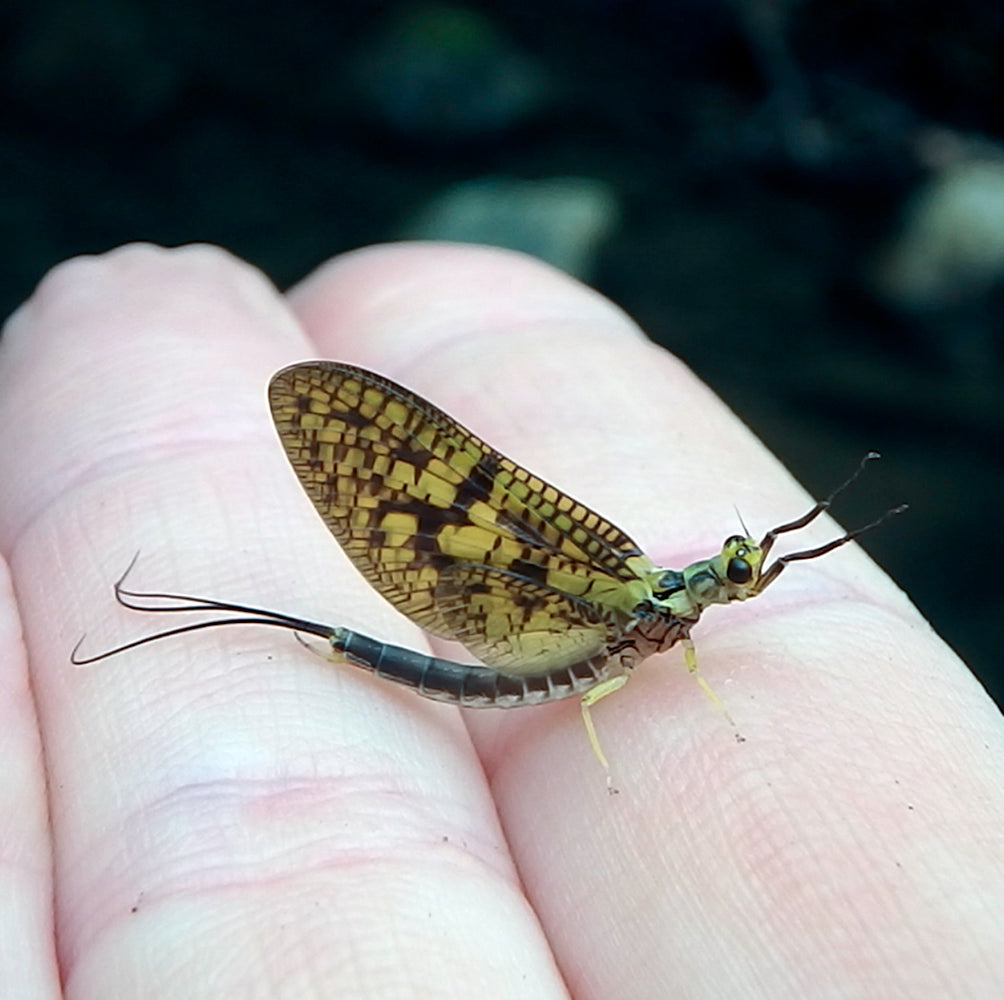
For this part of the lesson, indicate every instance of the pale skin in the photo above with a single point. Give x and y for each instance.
(227, 815)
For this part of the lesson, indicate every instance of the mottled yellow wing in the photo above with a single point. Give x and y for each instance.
(516, 625)
(458, 537)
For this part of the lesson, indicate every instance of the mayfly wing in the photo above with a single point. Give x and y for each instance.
(458, 537)
(517, 625)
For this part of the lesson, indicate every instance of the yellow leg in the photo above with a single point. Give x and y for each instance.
(590, 698)
(690, 658)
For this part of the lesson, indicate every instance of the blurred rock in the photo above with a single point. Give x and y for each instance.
(947, 262)
(563, 220)
(951, 246)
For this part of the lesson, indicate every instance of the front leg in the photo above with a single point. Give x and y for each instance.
(690, 658)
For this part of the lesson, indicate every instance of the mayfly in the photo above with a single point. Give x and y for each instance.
(553, 599)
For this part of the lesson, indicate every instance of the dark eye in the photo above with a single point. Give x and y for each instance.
(739, 571)
(733, 540)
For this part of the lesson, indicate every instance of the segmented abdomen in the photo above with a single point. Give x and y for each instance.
(463, 684)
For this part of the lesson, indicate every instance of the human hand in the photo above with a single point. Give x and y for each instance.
(231, 816)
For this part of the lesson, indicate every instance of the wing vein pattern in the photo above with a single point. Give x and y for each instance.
(458, 537)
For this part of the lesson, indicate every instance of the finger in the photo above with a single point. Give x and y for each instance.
(27, 962)
(232, 815)
(719, 863)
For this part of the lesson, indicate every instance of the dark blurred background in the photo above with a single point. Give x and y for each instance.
(803, 200)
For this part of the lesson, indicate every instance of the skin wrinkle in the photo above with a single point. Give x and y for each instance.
(241, 862)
